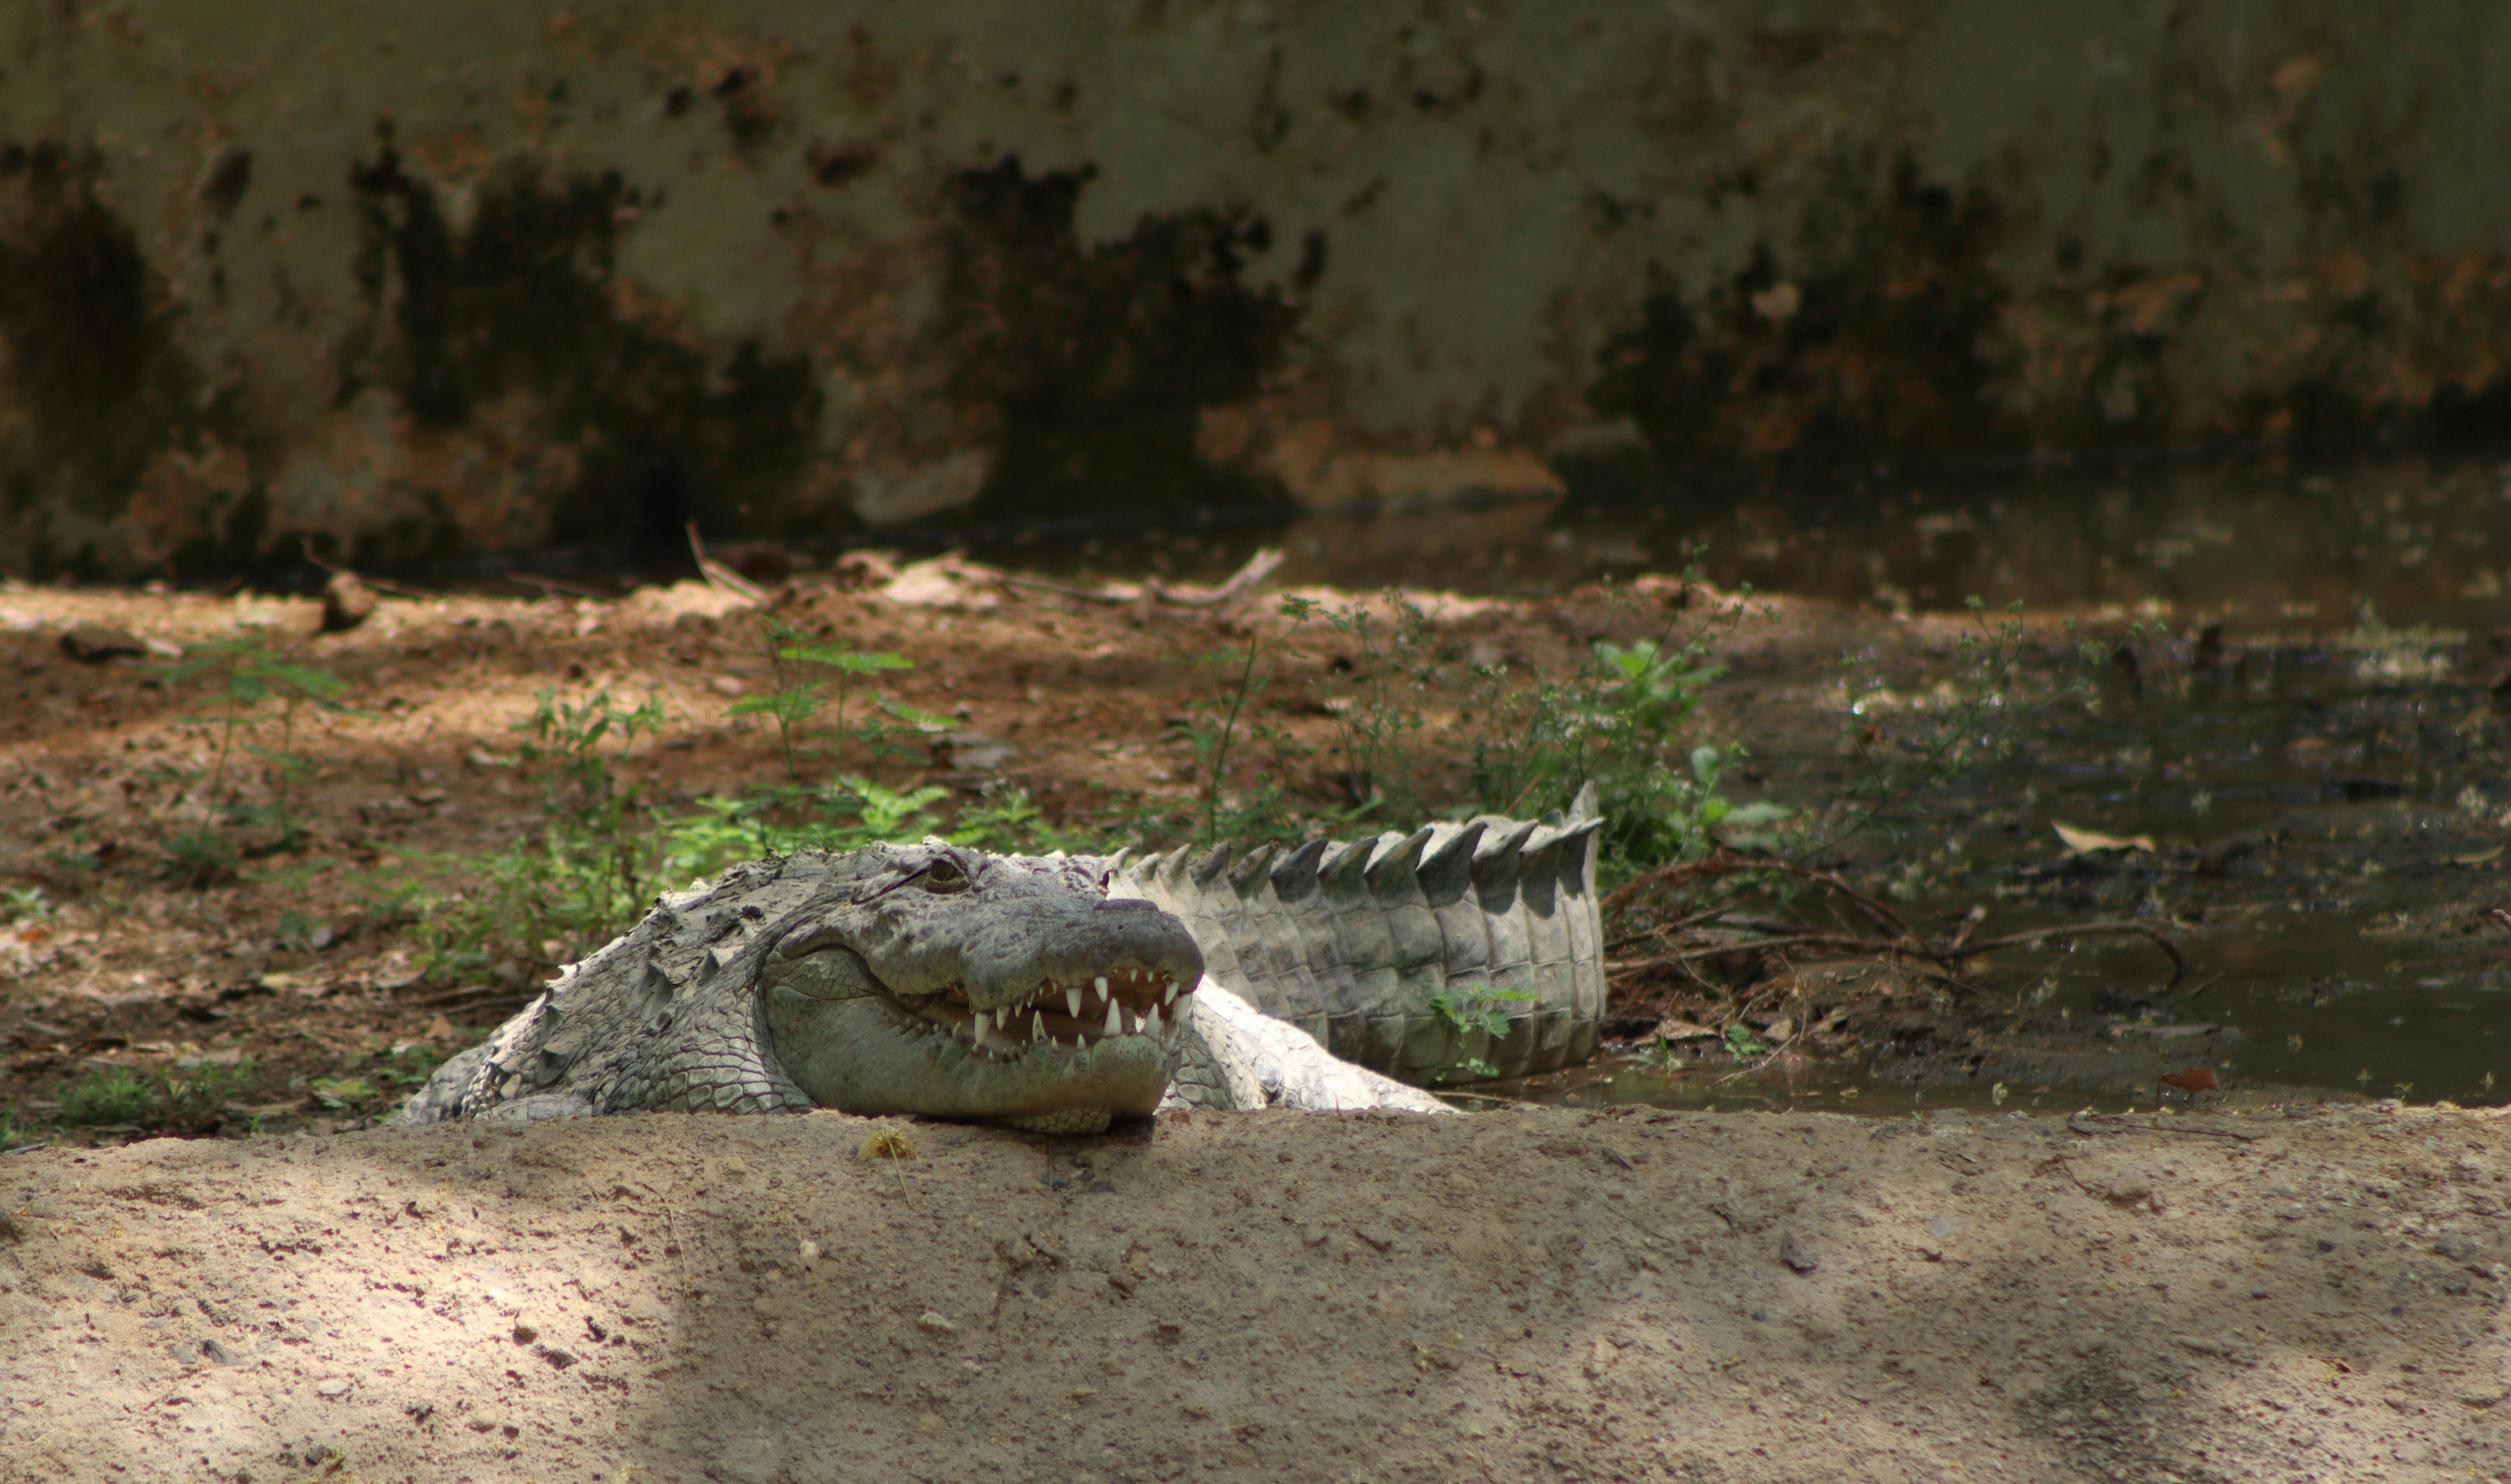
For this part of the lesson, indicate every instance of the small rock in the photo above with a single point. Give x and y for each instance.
(1795, 1254)
(729, 685)
(862, 569)
(933, 1323)
(346, 603)
(338, 1385)
(2128, 1187)
(217, 1353)
(525, 1332)
(95, 644)
(810, 1252)
(1376, 1236)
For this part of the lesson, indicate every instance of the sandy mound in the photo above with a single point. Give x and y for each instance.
(1537, 1295)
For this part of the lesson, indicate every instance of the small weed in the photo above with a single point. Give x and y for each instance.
(248, 672)
(1741, 1043)
(114, 1097)
(597, 854)
(1981, 718)
(1223, 727)
(1474, 1012)
(24, 904)
(796, 700)
(1621, 721)
(342, 1092)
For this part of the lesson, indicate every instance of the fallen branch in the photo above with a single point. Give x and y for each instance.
(1488, 1097)
(1946, 955)
(1238, 584)
(2170, 950)
(569, 589)
(719, 577)
(376, 583)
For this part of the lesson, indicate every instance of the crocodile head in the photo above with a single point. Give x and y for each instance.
(956, 984)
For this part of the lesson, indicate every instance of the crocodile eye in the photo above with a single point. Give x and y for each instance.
(944, 875)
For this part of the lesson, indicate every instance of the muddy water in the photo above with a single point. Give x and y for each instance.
(2258, 544)
(2327, 792)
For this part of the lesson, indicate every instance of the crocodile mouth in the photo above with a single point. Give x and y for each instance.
(1117, 1005)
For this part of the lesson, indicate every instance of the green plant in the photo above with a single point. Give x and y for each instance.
(1380, 717)
(794, 701)
(1741, 1043)
(24, 904)
(595, 859)
(117, 1095)
(1619, 721)
(342, 1092)
(1220, 727)
(1476, 1010)
(248, 672)
(858, 812)
(1982, 715)
(114, 1095)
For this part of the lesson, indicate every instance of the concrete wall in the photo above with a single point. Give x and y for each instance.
(420, 280)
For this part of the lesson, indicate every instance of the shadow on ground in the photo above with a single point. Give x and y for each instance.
(1525, 1295)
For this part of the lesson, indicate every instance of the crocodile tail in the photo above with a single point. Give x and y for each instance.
(1398, 950)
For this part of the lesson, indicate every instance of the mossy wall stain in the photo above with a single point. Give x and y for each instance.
(1096, 365)
(789, 272)
(522, 305)
(1873, 350)
(93, 386)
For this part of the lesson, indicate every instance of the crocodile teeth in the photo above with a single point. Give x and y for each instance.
(1150, 1023)
(1072, 998)
(1173, 988)
(1115, 1019)
(1038, 1026)
(1103, 989)
(984, 1028)
(1002, 1013)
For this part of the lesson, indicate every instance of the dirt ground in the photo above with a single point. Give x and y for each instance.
(305, 965)
(298, 990)
(1525, 1295)
(2239, 1291)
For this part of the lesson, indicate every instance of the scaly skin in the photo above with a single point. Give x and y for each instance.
(920, 978)
(1350, 941)
(1049, 994)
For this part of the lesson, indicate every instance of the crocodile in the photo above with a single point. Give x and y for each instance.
(1062, 993)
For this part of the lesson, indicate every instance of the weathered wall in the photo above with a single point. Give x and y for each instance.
(473, 275)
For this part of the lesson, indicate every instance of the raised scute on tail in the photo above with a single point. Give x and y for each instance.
(1352, 939)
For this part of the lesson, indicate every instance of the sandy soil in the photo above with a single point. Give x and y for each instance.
(1536, 1295)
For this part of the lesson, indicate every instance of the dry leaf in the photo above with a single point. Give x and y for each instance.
(1671, 1029)
(2195, 1079)
(2084, 842)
